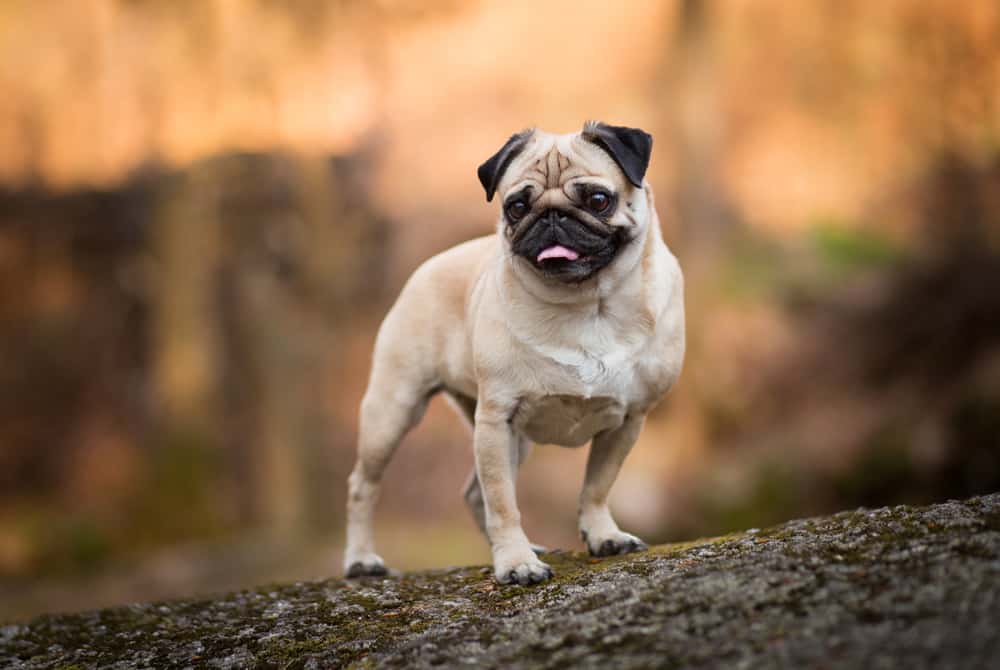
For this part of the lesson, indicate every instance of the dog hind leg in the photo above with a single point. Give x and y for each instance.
(389, 410)
(597, 527)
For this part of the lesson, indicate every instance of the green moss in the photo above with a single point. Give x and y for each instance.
(295, 654)
(369, 603)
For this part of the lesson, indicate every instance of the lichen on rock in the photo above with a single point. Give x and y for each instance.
(894, 587)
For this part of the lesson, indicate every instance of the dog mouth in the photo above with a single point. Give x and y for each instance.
(561, 247)
(565, 263)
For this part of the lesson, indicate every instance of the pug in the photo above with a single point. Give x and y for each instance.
(564, 327)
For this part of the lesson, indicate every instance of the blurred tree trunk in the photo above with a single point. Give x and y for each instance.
(696, 209)
(291, 266)
(696, 129)
(332, 246)
(263, 340)
(184, 331)
(257, 256)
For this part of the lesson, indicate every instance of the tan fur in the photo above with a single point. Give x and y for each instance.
(538, 360)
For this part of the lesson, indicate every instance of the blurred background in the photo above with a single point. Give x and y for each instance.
(206, 207)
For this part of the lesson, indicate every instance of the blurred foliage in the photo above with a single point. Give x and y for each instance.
(846, 250)
(757, 267)
(776, 489)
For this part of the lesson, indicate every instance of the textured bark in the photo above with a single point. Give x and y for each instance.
(895, 587)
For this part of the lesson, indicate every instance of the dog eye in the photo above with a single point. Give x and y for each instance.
(598, 202)
(516, 210)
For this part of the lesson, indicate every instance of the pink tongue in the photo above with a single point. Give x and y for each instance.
(558, 251)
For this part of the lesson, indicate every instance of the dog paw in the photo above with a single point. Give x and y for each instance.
(539, 549)
(524, 572)
(370, 565)
(615, 545)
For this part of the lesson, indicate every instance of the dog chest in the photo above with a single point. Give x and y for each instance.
(566, 420)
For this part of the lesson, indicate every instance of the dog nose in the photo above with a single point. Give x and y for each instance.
(555, 216)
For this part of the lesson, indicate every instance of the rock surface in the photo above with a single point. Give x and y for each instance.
(896, 587)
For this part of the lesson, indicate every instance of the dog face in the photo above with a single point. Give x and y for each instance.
(570, 203)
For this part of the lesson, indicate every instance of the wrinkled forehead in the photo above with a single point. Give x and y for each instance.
(557, 161)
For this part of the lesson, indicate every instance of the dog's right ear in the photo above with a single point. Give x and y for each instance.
(492, 170)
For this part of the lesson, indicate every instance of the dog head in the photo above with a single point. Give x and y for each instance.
(570, 203)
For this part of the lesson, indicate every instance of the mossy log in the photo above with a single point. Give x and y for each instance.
(896, 587)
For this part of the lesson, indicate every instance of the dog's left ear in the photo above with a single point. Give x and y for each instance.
(492, 170)
(629, 147)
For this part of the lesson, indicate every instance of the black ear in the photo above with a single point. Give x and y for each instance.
(629, 147)
(492, 170)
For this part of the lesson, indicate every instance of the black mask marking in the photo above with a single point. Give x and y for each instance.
(596, 246)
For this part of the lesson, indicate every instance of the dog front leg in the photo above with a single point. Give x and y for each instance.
(495, 447)
(473, 495)
(597, 527)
